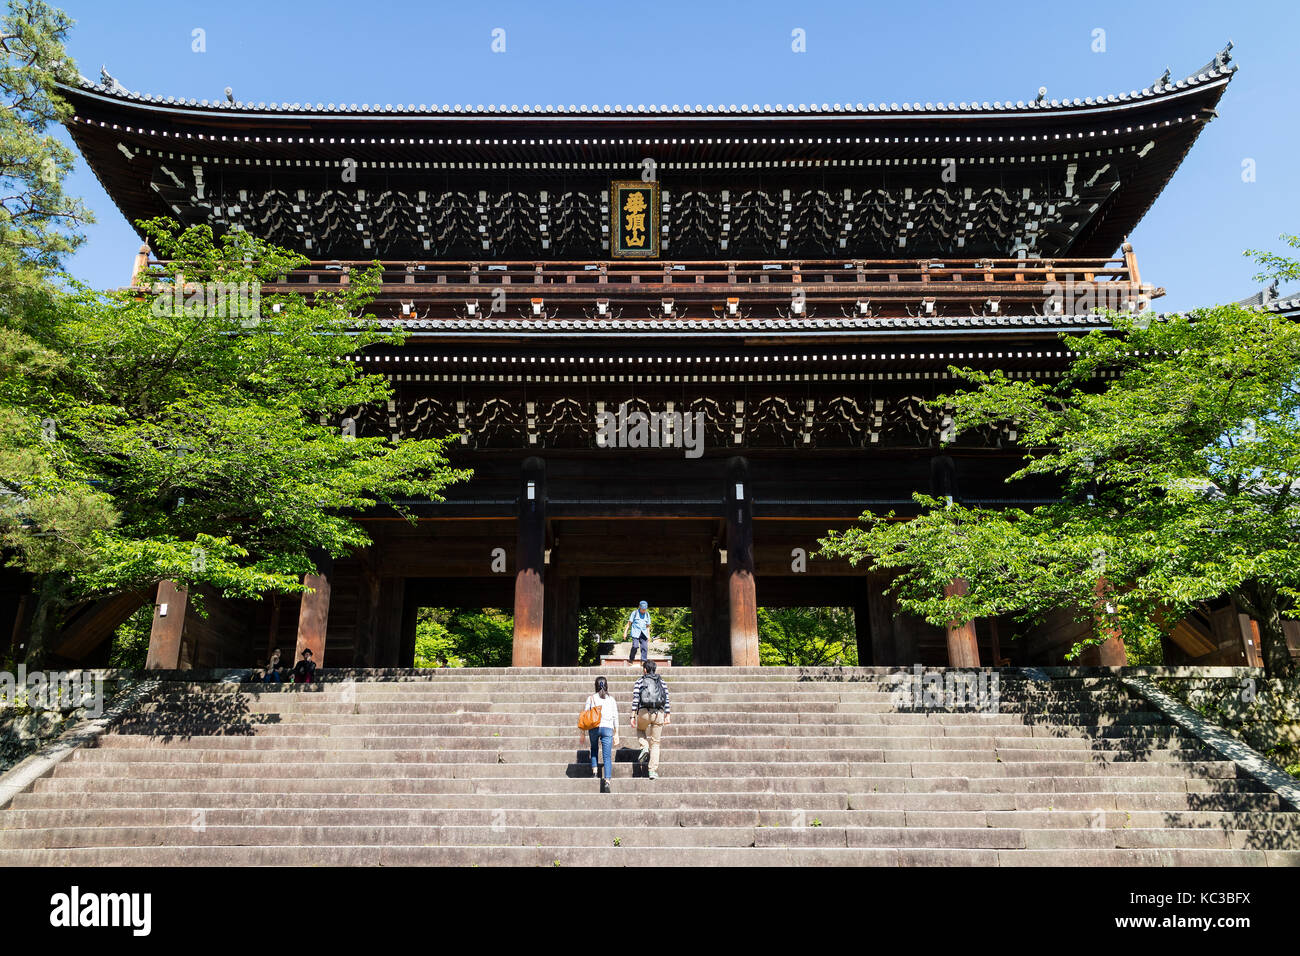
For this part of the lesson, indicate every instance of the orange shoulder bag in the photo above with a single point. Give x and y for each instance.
(590, 718)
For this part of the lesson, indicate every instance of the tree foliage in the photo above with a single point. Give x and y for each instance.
(807, 637)
(1175, 446)
(462, 637)
(193, 436)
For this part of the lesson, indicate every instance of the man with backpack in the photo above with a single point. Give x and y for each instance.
(650, 715)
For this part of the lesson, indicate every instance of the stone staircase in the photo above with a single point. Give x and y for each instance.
(759, 766)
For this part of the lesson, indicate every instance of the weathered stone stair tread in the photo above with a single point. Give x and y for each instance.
(760, 767)
(618, 856)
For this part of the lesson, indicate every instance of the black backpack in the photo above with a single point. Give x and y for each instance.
(652, 693)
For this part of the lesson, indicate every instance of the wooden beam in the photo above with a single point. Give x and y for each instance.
(96, 624)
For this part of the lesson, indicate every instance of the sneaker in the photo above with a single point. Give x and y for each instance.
(644, 755)
(653, 776)
(604, 785)
(595, 771)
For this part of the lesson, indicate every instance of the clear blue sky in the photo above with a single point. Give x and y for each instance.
(675, 52)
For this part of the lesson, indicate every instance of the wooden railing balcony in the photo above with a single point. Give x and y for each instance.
(667, 288)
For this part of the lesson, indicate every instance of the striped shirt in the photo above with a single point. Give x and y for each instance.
(636, 691)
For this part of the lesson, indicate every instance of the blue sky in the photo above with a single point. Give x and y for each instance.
(675, 52)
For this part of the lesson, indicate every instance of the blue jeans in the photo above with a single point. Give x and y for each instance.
(642, 642)
(602, 738)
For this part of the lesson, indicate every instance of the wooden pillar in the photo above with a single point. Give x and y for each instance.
(530, 592)
(392, 606)
(963, 649)
(742, 603)
(410, 621)
(1252, 647)
(140, 264)
(22, 625)
(314, 611)
(570, 639)
(272, 630)
(1112, 652)
(884, 648)
(368, 619)
(170, 608)
(560, 618)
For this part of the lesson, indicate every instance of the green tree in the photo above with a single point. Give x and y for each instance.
(1175, 446)
(807, 636)
(596, 625)
(460, 637)
(39, 222)
(195, 432)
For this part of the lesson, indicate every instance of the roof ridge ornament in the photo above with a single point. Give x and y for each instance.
(108, 81)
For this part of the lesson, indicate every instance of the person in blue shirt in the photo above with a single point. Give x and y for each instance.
(638, 626)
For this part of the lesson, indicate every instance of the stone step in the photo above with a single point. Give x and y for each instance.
(553, 752)
(721, 723)
(865, 762)
(879, 777)
(758, 712)
(585, 677)
(370, 855)
(1246, 811)
(679, 737)
(635, 834)
(1112, 822)
(802, 766)
(621, 692)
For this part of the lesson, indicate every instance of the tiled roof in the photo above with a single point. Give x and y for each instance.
(649, 326)
(1217, 70)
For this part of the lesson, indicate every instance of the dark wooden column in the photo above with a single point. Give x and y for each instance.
(560, 624)
(570, 603)
(392, 606)
(367, 648)
(963, 649)
(862, 626)
(170, 608)
(703, 619)
(22, 624)
(410, 618)
(742, 603)
(530, 571)
(884, 648)
(314, 611)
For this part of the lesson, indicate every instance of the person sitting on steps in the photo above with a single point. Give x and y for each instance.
(650, 715)
(304, 672)
(273, 675)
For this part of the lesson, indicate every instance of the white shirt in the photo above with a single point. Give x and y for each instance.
(608, 709)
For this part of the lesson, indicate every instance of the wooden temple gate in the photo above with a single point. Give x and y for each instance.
(786, 288)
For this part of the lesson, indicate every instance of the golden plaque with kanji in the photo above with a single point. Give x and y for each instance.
(634, 220)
